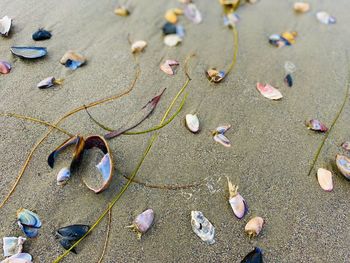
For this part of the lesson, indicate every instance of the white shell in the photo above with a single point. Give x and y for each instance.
(254, 226)
(138, 46)
(192, 122)
(325, 18)
(192, 13)
(19, 258)
(343, 164)
(202, 227)
(222, 139)
(12, 245)
(324, 178)
(63, 176)
(172, 40)
(269, 92)
(237, 202)
(5, 25)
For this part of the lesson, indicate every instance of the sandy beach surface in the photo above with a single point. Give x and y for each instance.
(271, 149)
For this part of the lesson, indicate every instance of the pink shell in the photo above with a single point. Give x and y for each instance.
(5, 67)
(325, 180)
(316, 125)
(239, 206)
(167, 66)
(144, 220)
(269, 92)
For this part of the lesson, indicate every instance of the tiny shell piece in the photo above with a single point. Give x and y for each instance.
(254, 226)
(193, 14)
(122, 11)
(214, 75)
(346, 146)
(343, 164)
(192, 122)
(269, 92)
(316, 125)
(19, 258)
(237, 202)
(12, 245)
(289, 67)
(138, 46)
(202, 227)
(325, 18)
(288, 80)
(290, 36)
(301, 7)
(5, 25)
(49, 82)
(172, 40)
(143, 222)
(5, 67)
(168, 65)
(171, 16)
(72, 60)
(324, 178)
(63, 176)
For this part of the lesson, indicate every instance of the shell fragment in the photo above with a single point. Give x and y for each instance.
(269, 92)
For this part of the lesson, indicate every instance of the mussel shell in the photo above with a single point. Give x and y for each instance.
(223, 129)
(73, 232)
(28, 218)
(169, 28)
(66, 244)
(41, 34)
(46, 83)
(5, 67)
(19, 258)
(29, 52)
(254, 256)
(29, 231)
(72, 60)
(288, 80)
(343, 164)
(222, 139)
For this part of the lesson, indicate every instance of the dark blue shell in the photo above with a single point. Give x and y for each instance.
(73, 232)
(41, 34)
(29, 52)
(169, 28)
(254, 256)
(288, 80)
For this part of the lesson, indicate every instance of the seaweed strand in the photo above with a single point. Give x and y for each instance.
(109, 222)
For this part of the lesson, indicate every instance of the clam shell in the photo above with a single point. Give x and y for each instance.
(138, 46)
(5, 67)
(325, 18)
(168, 65)
(170, 16)
(192, 122)
(202, 227)
(5, 25)
(237, 202)
(268, 91)
(316, 125)
(41, 34)
(301, 7)
(143, 222)
(29, 52)
(254, 256)
(343, 164)
(72, 60)
(172, 40)
(63, 176)
(325, 180)
(254, 226)
(12, 245)
(19, 258)
(192, 13)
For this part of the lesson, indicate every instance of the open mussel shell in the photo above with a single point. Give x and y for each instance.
(72, 60)
(41, 34)
(19, 258)
(202, 227)
(12, 245)
(143, 222)
(254, 256)
(70, 234)
(218, 135)
(29, 52)
(5, 25)
(5, 67)
(192, 122)
(28, 222)
(325, 179)
(237, 202)
(343, 164)
(254, 226)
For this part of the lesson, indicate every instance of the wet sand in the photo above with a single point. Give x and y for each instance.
(271, 149)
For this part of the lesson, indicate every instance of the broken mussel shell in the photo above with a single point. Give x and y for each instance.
(5, 25)
(138, 46)
(41, 34)
(121, 11)
(268, 91)
(316, 125)
(143, 222)
(63, 176)
(169, 28)
(219, 135)
(288, 80)
(169, 66)
(72, 60)
(5, 67)
(192, 122)
(254, 256)
(12, 245)
(29, 222)
(49, 82)
(254, 226)
(214, 75)
(68, 235)
(29, 52)
(343, 164)
(325, 180)
(301, 7)
(105, 166)
(19, 258)
(202, 227)
(237, 202)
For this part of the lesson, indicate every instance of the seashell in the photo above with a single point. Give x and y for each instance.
(343, 164)
(324, 178)
(301, 7)
(218, 135)
(215, 76)
(269, 92)
(19, 258)
(223, 129)
(288, 80)
(237, 202)
(121, 11)
(289, 67)
(12, 245)
(231, 19)
(5, 25)
(41, 34)
(192, 13)
(202, 227)
(254, 226)
(169, 28)
(49, 82)
(72, 60)
(70, 234)
(142, 222)
(28, 222)
(325, 18)
(192, 122)
(278, 41)
(346, 146)
(316, 125)
(138, 46)
(5, 67)
(29, 52)
(168, 66)
(290, 36)
(171, 16)
(63, 176)
(172, 40)
(254, 256)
